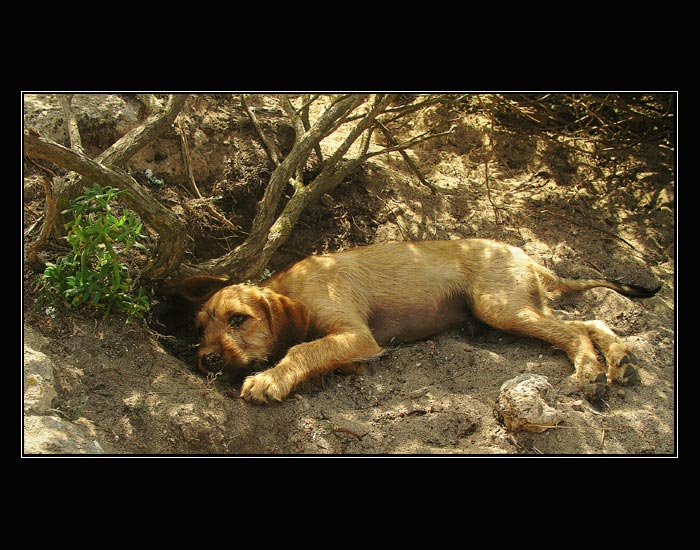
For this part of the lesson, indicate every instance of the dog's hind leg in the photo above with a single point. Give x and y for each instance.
(617, 356)
(570, 336)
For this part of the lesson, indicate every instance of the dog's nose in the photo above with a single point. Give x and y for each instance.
(213, 362)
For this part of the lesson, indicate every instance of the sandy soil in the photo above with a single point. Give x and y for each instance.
(579, 214)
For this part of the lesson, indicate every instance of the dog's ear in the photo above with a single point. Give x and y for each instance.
(202, 287)
(289, 320)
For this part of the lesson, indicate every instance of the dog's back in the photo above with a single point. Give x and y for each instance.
(403, 291)
(406, 291)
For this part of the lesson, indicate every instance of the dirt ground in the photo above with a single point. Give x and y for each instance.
(610, 215)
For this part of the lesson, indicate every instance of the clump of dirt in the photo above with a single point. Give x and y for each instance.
(573, 207)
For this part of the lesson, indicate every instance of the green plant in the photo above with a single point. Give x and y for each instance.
(94, 273)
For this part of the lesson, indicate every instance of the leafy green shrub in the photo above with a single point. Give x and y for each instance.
(94, 274)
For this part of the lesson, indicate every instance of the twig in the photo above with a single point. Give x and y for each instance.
(367, 134)
(355, 224)
(187, 159)
(347, 431)
(305, 106)
(409, 161)
(211, 378)
(359, 99)
(489, 133)
(31, 228)
(488, 192)
(404, 110)
(271, 148)
(547, 427)
(592, 265)
(510, 104)
(425, 136)
(391, 211)
(591, 227)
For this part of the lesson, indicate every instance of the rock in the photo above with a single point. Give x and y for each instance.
(39, 389)
(48, 434)
(52, 435)
(95, 113)
(528, 402)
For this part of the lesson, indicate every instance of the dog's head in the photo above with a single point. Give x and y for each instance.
(242, 325)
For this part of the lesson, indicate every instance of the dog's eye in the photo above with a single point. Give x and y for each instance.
(200, 331)
(236, 320)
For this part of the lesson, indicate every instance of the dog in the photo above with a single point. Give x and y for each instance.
(328, 311)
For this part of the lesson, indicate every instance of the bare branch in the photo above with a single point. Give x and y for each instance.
(408, 109)
(409, 161)
(308, 100)
(295, 116)
(359, 100)
(331, 175)
(49, 215)
(151, 102)
(133, 141)
(187, 159)
(378, 106)
(264, 218)
(367, 134)
(305, 119)
(71, 123)
(271, 148)
(425, 136)
(299, 131)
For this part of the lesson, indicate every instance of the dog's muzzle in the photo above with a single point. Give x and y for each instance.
(212, 362)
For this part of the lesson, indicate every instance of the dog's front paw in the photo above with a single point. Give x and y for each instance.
(262, 387)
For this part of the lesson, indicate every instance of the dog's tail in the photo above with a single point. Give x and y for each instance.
(562, 284)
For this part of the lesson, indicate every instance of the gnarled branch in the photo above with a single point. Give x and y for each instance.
(251, 256)
(71, 123)
(49, 217)
(171, 246)
(273, 152)
(70, 187)
(134, 140)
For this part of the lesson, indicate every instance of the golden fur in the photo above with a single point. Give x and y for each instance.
(327, 311)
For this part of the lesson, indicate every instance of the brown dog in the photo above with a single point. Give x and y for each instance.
(328, 311)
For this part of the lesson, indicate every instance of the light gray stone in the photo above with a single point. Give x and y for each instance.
(528, 402)
(39, 391)
(52, 435)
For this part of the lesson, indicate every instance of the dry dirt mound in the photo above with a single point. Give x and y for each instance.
(578, 213)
